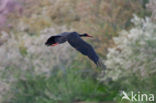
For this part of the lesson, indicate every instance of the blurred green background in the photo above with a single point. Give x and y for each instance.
(124, 34)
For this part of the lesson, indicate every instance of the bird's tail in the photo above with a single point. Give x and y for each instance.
(101, 64)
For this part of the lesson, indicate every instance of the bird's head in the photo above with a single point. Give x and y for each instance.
(86, 35)
(50, 41)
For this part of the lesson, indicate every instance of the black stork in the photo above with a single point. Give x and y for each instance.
(74, 39)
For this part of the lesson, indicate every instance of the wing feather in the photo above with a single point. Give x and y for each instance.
(84, 48)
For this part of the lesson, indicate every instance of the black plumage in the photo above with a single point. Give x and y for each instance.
(74, 39)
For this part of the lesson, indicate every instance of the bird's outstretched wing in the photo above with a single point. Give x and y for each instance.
(83, 47)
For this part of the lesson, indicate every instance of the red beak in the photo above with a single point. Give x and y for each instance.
(90, 36)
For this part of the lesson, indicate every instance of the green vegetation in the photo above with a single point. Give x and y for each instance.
(124, 34)
(61, 86)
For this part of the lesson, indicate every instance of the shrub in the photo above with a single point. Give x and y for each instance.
(132, 62)
(71, 85)
(152, 6)
(26, 54)
(102, 18)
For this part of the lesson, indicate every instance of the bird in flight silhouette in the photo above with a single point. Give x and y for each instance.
(75, 40)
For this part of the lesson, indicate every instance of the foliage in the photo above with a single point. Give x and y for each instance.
(33, 73)
(152, 6)
(134, 51)
(132, 62)
(66, 86)
(102, 18)
(24, 54)
(30, 52)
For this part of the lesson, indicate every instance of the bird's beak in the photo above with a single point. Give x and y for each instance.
(90, 36)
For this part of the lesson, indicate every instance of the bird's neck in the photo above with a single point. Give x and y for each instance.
(82, 35)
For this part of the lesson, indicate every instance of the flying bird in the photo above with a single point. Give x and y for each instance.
(75, 40)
